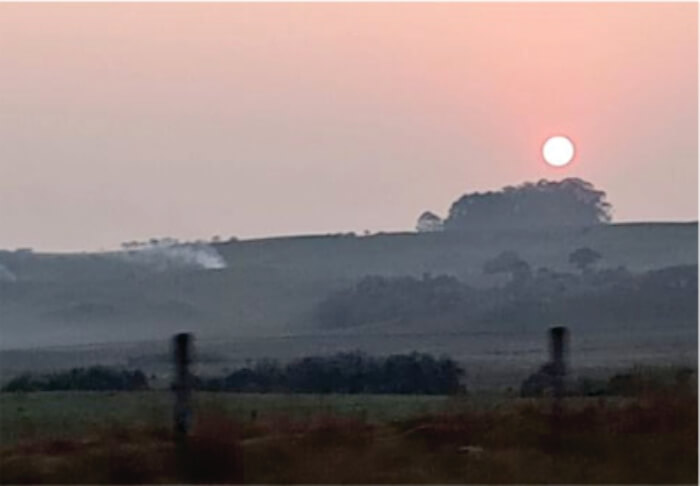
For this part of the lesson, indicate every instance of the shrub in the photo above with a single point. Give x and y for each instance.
(346, 373)
(93, 378)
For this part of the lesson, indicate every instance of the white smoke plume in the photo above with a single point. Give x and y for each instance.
(168, 254)
(6, 275)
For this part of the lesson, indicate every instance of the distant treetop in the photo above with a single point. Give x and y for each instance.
(583, 258)
(569, 202)
(428, 222)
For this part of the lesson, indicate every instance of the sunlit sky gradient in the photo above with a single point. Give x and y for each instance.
(127, 121)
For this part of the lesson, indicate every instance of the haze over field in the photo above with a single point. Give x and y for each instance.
(482, 280)
(263, 298)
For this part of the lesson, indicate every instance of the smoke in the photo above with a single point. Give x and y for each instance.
(169, 255)
(6, 275)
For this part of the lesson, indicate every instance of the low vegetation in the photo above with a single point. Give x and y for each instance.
(92, 378)
(415, 373)
(354, 372)
(649, 439)
(636, 382)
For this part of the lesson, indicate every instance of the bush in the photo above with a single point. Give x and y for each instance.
(632, 383)
(346, 373)
(93, 378)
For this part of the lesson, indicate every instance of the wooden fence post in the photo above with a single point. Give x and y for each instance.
(558, 340)
(182, 344)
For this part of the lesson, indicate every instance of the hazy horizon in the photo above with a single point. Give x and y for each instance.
(125, 122)
(118, 246)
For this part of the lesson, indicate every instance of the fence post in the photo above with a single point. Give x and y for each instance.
(558, 349)
(182, 345)
(558, 340)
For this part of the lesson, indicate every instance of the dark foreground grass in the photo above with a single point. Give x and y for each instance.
(651, 439)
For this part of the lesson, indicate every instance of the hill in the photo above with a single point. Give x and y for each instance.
(269, 287)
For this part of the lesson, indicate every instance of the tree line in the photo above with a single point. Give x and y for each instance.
(349, 372)
(96, 378)
(590, 295)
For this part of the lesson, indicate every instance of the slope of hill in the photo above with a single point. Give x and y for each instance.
(269, 287)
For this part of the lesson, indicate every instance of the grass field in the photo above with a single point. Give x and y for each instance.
(125, 438)
(62, 415)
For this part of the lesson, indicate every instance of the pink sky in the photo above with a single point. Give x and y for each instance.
(130, 121)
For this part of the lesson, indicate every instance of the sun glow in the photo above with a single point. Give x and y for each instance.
(558, 151)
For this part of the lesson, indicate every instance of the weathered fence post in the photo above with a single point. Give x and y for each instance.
(558, 341)
(558, 349)
(182, 344)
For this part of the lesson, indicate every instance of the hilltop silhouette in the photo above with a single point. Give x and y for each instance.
(570, 202)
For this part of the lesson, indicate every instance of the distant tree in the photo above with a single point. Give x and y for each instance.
(168, 241)
(378, 299)
(93, 378)
(570, 202)
(509, 262)
(583, 258)
(428, 223)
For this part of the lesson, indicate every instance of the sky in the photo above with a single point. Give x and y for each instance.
(124, 122)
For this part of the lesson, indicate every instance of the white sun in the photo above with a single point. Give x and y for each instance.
(558, 151)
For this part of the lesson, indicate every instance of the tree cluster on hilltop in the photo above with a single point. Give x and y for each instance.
(569, 202)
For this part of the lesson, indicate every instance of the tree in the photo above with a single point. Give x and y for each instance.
(509, 262)
(570, 202)
(428, 223)
(376, 299)
(583, 258)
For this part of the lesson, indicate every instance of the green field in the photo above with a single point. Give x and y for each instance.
(62, 415)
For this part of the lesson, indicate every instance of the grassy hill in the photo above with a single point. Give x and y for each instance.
(270, 286)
